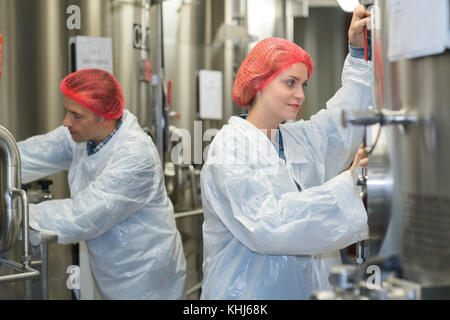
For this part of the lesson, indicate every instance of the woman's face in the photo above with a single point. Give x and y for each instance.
(283, 97)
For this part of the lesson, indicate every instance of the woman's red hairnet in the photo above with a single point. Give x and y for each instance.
(96, 90)
(264, 63)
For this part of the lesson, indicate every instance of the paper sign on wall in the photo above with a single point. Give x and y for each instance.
(417, 28)
(210, 94)
(93, 52)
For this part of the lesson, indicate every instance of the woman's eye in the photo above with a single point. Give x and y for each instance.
(291, 83)
(304, 85)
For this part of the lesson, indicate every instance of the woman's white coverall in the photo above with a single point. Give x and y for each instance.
(263, 239)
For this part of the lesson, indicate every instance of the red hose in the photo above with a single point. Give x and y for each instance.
(169, 92)
(366, 56)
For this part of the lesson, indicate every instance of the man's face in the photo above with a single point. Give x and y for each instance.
(82, 123)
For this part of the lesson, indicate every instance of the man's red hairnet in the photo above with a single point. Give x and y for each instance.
(96, 90)
(264, 63)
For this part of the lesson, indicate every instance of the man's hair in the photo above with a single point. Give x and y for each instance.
(96, 90)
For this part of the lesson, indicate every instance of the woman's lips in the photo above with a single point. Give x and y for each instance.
(294, 106)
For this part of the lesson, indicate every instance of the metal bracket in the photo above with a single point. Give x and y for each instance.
(383, 117)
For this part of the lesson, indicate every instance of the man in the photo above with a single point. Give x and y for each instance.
(118, 202)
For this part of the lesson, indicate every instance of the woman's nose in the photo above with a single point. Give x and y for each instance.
(300, 94)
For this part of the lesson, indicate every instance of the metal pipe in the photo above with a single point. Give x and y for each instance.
(194, 288)
(192, 176)
(26, 272)
(26, 258)
(42, 240)
(41, 237)
(383, 117)
(25, 220)
(360, 252)
(8, 144)
(188, 213)
(10, 216)
(159, 107)
(27, 275)
(44, 270)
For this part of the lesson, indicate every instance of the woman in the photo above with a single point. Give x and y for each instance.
(278, 204)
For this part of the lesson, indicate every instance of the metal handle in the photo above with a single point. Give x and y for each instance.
(361, 118)
(25, 224)
(374, 116)
(26, 273)
(42, 240)
(382, 117)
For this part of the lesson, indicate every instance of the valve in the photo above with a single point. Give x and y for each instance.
(45, 184)
(374, 116)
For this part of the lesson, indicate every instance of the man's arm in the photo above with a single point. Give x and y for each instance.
(127, 184)
(46, 154)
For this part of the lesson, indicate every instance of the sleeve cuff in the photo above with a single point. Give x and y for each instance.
(358, 53)
(351, 203)
(33, 216)
(34, 219)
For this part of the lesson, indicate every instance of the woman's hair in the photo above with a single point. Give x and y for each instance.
(264, 63)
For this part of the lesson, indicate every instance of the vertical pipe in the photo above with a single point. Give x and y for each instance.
(11, 161)
(44, 269)
(10, 216)
(159, 91)
(208, 34)
(228, 63)
(26, 259)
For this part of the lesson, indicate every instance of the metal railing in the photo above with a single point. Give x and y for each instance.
(186, 214)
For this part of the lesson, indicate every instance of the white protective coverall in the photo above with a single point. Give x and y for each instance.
(118, 205)
(263, 239)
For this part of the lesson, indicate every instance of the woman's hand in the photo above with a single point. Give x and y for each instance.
(356, 30)
(360, 159)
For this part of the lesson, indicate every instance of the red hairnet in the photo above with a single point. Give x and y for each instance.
(264, 63)
(96, 90)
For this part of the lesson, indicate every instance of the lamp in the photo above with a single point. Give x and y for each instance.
(348, 5)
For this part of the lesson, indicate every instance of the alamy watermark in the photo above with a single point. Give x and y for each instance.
(74, 20)
(251, 147)
(73, 281)
(373, 282)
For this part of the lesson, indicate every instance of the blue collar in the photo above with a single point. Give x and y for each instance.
(91, 148)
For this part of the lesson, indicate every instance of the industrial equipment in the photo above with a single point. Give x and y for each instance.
(13, 214)
(406, 185)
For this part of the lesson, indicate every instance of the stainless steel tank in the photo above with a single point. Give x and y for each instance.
(419, 153)
(412, 194)
(10, 213)
(408, 193)
(424, 177)
(36, 58)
